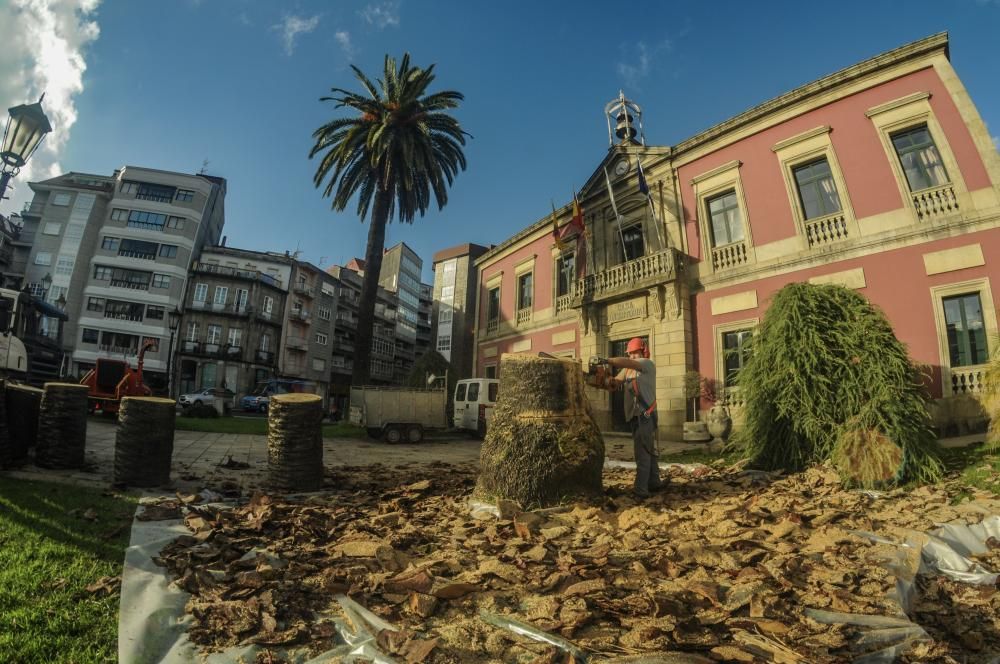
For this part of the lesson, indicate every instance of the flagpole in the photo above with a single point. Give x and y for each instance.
(611, 195)
(644, 188)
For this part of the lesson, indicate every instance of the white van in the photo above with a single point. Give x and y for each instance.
(474, 401)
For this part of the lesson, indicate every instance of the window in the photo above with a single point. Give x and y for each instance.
(200, 292)
(727, 224)
(447, 293)
(110, 243)
(155, 348)
(265, 342)
(491, 372)
(735, 347)
(62, 200)
(964, 323)
(324, 313)
(90, 335)
(565, 273)
(168, 251)
(154, 312)
(445, 313)
(444, 342)
(268, 304)
(185, 195)
(919, 158)
(493, 309)
(149, 192)
(632, 243)
(118, 214)
(161, 281)
(460, 391)
(95, 304)
(64, 266)
(318, 364)
(192, 331)
(817, 190)
(235, 337)
(137, 249)
(43, 258)
(221, 293)
(473, 392)
(36, 290)
(321, 338)
(214, 334)
(525, 290)
(147, 220)
(176, 223)
(103, 273)
(240, 301)
(51, 228)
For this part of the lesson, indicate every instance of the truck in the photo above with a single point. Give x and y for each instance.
(398, 414)
(475, 399)
(30, 338)
(112, 380)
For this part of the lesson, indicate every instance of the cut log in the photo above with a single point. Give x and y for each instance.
(62, 426)
(144, 442)
(543, 445)
(295, 441)
(23, 404)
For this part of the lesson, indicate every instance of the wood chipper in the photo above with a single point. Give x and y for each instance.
(110, 380)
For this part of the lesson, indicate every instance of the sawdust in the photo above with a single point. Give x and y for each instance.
(719, 567)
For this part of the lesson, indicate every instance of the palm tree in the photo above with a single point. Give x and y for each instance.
(397, 147)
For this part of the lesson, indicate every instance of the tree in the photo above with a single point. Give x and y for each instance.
(396, 148)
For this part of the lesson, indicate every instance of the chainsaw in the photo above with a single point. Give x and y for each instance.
(600, 373)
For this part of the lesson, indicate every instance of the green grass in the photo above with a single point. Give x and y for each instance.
(49, 553)
(699, 455)
(975, 466)
(258, 425)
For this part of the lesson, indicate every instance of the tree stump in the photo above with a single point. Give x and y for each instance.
(542, 445)
(62, 426)
(144, 441)
(23, 404)
(295, 441)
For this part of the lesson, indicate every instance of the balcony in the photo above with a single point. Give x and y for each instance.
(619, 280)
(347, 322)
(935, 203)
(250, 275)
(190, 347)
(265, 356)
(345, 345)
(729, 255)
(133, 317)
(967, 380)
(299, 315)
(211, 348)
(157, 198)
(132, 285)
(145, 225)
(826, 230)
(297, 343)
(492, 325)
(6, 253)
(118, 350)
(302, 289)
(524, 316)
(142, 255)
(232, 352)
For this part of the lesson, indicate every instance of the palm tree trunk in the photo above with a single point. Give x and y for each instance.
(369, 289)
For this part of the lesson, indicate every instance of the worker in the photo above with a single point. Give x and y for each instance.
(637, 377)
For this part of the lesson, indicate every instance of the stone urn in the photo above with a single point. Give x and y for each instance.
(719, 425)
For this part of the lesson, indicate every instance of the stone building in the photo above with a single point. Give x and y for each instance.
(881, 177)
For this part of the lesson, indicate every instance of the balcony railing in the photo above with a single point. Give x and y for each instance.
(492, 325)
(118, 350)
(211, 348)
(159, 198)
(639, 273)
(133, 285)
(301, 289)
(145, 225)
(32, 209)
(729, 255)
(265, 356)
(826, 230)
(967, 380)
(233, 352)
(935, 203)
(297, 343)
(137, 254)
(228, 271)
(347, 322)
(123, 315)
(524, 315)
(300, 315)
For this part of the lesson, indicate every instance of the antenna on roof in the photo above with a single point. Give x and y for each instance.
(204, 166)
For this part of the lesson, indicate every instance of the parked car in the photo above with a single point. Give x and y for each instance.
(258, 400)
(206, 397)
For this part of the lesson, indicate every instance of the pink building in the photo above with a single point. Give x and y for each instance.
(880, 177)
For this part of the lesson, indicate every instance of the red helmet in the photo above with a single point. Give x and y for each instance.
(636, 345)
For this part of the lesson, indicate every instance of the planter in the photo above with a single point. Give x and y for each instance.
(719, 425)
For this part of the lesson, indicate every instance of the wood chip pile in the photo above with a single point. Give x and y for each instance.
(722, 565)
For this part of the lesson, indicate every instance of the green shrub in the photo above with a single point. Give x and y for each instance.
(202, 411)
(824, 366)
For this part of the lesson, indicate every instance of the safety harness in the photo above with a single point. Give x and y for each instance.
(648, 412)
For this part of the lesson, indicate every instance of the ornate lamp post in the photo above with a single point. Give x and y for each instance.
(173, 322)
(25, 129)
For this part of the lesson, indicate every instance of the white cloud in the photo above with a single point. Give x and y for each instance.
(292, 26)
(996, 142)
(44, 43)
(638, 60)
(343, 38)
(382, 15)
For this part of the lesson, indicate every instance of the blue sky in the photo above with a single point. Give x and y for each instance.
(236, 82)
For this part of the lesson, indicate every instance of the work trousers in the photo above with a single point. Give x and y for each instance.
(647, 468)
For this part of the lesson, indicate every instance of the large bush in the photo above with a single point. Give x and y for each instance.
(826, 379)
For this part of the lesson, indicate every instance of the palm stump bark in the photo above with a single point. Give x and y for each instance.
(144, 441)
(23, 404)
(62, 426)
(295, 441)
(542, 445)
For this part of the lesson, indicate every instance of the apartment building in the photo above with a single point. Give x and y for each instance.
(115, 251)
(400, 274)
(307, 350)
(881, 177)
(454, 297)
(425, 320)
(13, 252)
(231, 330)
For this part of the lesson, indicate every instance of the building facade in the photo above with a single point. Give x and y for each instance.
(454, 323)
(400, 274)
(880, 177)
(114, 252)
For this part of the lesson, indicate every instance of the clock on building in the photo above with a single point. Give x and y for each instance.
(621, 168)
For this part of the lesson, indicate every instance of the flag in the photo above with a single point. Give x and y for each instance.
(643, 187)
(555, 228)
(577, 219)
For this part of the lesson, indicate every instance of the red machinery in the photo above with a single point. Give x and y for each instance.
(110, 380)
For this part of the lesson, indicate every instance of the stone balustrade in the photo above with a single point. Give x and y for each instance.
(825, 230)
(936, 202)
(729, 255)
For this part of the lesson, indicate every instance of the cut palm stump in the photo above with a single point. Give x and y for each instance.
(542, 445)
(144, 441)
(23, 404)
(62, 426)
(295, 441)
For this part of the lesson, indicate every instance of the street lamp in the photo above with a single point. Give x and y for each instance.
(25, 129)
(173, 322)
